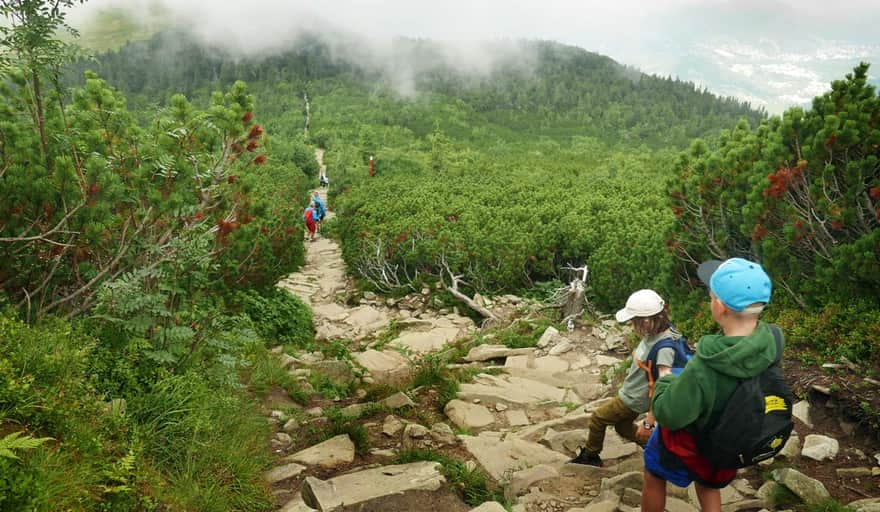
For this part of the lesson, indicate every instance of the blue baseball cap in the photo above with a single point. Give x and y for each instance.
(737, 282)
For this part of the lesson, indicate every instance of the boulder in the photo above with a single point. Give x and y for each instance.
(808, 489)
(818, 447)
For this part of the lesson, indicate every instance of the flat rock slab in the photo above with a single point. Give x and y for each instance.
(386, 367)
(364, 316)
(430, 341)
(500, 456)
(362, 486)
(331, 311)
(467, 415)
(331, 453)
(284, 472)
(486, 352)
(521, 480)
(549, 364)
(511, 390)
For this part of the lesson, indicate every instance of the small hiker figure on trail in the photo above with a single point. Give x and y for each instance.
(319, 208)
(322, 179)
(687, 406)
(649, 315)
(310, 215)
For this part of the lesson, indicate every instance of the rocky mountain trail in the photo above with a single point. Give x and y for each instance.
(417, 408)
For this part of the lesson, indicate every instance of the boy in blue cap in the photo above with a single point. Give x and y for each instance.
(692, 401)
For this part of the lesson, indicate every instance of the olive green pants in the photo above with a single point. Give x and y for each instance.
(616, 413)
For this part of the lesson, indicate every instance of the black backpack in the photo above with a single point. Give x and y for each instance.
(756, 421)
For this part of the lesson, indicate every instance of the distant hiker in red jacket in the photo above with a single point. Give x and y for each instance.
(310, 215)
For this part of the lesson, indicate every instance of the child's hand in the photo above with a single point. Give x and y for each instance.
(643, 433)
(662, 371)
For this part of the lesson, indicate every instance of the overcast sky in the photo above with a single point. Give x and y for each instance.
(774, 53)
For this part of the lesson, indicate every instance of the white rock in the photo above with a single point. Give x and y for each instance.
(819, 447)
(801, 411)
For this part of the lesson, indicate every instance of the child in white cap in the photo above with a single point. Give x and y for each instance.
(649, 315)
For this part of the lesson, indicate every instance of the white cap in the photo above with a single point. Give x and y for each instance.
(642, 303)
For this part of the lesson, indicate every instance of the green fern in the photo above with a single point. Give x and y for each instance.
(17, 441)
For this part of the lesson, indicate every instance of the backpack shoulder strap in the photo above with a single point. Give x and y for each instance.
(777, 337)
(660, 344)
(650, 363)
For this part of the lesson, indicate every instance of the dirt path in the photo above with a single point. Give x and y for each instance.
(518, 417)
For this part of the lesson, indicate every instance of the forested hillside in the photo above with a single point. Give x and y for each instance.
(529, 88)
(152, 198)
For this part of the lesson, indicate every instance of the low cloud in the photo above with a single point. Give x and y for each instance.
(724, 44)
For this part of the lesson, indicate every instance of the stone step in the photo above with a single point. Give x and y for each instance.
(511, 390)
(499, 455)
(352, 489)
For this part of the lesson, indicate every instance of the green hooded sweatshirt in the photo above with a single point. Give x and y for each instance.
(698, 394)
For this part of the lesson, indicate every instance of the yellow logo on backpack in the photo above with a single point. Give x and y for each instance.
(774, 403)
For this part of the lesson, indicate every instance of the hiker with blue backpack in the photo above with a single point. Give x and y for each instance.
(730, 407)
(660, 347)
(320, 209)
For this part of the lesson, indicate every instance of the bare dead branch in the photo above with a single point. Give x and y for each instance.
(455, 280)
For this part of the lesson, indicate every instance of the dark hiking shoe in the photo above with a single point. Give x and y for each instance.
(589, 459)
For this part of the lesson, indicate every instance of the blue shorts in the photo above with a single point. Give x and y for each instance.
(680, 477)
